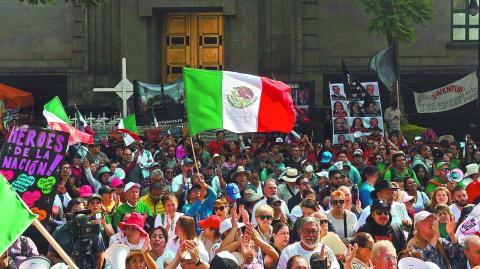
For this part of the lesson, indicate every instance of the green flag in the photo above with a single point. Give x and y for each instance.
(17, 217)
(383, 63)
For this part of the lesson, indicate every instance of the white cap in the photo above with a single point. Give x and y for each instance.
(422, 215)
(226, 225)
(279, 140)
(322, 174)
(130, 185)
(411, 262)
(418, 138)
(405, 197)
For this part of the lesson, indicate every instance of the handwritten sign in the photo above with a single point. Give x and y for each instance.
(29, 160)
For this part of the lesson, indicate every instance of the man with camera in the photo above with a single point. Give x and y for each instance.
(80, 238)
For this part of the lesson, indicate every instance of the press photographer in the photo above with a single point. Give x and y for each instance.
(80, 238)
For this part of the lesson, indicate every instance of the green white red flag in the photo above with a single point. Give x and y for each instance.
(58, 120)
(237, 102)
(128, 126)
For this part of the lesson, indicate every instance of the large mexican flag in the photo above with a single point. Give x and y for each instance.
(237, 102)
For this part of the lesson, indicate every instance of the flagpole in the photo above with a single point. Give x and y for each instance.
(193, 153)
(54, 244)
(398, 94)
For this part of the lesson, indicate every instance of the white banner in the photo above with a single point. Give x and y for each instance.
(448, 97)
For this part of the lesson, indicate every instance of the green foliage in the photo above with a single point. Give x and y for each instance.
(411, 130)
(396, 18)
(45, 2)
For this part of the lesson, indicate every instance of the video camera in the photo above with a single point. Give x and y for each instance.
(84, 233)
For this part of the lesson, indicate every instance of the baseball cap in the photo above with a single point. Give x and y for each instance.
(94, 196)
(422, 215)
(418, 138)
(130, 185)
(233, 191)
(326, 157)
(440, 164)
(322, 174)
(187, 161)
(279, 140)
(211, 222)
(85, 191)
(380, 204)
(226, 225)
(227, 260)
(251, 196)
(358, 152)
(105, 189)
(116, 182)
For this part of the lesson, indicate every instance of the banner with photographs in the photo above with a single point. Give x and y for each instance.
(303, 96)
(354, 114)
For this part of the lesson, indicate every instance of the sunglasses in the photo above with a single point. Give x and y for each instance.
(324, 221)
(338, 202)
(381, 212)
(265, 217)
(220, 208)
(304, 183)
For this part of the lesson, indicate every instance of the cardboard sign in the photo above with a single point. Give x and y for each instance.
(29, 161)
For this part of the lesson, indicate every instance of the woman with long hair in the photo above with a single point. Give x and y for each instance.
(363, 251)
(280, 239)
(422, 175)
(185, 238)
(440, 195)
(339, 110)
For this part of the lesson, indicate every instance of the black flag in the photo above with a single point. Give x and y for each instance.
(353, 88)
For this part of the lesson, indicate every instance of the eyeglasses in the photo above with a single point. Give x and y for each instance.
(313, 231)
(381, 212)
(387, 258)
(265, 217)
(304, 183)
(324, 221)
(338, 202)
(220, 208)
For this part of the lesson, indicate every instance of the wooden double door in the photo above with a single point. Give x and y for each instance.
(192, 40)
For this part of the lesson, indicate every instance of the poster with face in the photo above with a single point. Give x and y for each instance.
(339, 109)
(337, 92)
(372, 90)
(357, 124)
(303, 96)
(357, 116)
(340, 139)
(355, 108)
(340, 126)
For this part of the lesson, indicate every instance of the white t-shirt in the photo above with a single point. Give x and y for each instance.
(177, 182)
(161, 220)
(398, 211)
(297, 249)
(173, 245)
(455, 211)
(340, 225)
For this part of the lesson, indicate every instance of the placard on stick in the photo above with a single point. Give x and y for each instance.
(29, 160)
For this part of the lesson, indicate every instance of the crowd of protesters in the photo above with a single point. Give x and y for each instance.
(270, 201)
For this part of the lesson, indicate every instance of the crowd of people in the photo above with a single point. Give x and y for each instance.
(267, 201)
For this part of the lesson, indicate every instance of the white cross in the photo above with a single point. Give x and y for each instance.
(124, 88)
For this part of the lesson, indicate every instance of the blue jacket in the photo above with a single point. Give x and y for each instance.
(201, 210)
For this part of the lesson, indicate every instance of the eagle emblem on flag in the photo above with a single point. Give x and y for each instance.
(241, 97)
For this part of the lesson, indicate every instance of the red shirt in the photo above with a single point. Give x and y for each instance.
(215, 146)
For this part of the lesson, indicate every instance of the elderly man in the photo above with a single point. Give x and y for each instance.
(384, 190)
(309, 231)
(288, 188)
(132, 203)
(427, 245)
(384, 255)
(269, 190)
(471, 249)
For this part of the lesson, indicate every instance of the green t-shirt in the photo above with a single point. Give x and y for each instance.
(140, 208)
(432, 186)
(407, 172)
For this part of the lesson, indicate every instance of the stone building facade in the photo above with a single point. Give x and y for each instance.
(67, 49)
